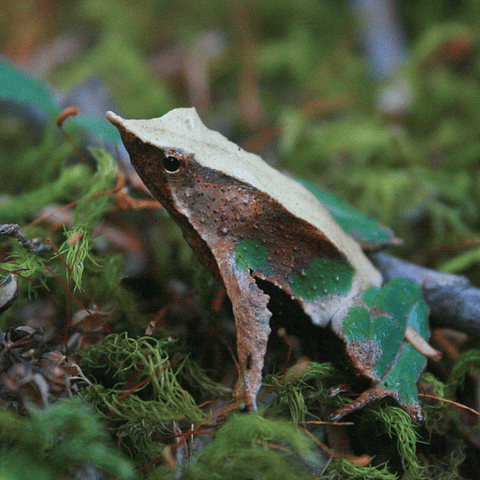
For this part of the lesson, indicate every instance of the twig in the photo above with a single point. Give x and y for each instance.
(13, 230)
(454, 302)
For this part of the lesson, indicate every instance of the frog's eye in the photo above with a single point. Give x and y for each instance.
(171, 164)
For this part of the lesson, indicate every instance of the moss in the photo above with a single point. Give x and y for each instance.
(251, 446)
(51, 442)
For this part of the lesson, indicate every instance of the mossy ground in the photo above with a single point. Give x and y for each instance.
(292, 82)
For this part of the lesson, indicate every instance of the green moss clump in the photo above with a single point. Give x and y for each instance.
(54, 442)
(251, 446)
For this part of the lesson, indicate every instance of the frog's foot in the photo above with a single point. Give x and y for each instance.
(376, 393)
(252, 340)
(244, 395)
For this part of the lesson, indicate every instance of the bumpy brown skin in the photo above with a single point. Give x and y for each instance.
(215, 213)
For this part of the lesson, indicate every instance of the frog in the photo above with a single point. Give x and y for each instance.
(249, 223)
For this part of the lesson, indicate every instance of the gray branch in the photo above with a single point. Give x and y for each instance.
(13, 230)
(454, 302)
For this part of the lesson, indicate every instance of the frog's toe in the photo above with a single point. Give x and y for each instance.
(376, 393)
(364, 399)
(245, 397)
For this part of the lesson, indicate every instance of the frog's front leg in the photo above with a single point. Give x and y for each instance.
(252, 317)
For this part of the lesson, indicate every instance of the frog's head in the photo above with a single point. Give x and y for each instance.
(168, 152)
(156, 154)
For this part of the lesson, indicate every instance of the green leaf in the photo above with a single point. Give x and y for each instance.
(363, 228)
(17, 86)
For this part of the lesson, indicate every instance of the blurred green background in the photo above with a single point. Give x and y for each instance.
(375, 101)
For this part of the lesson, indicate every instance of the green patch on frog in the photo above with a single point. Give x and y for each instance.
(325, 276)
(250, 255)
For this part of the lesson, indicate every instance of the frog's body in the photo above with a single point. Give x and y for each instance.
(247, 221)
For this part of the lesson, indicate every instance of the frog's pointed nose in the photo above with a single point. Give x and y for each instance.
(115, 119)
